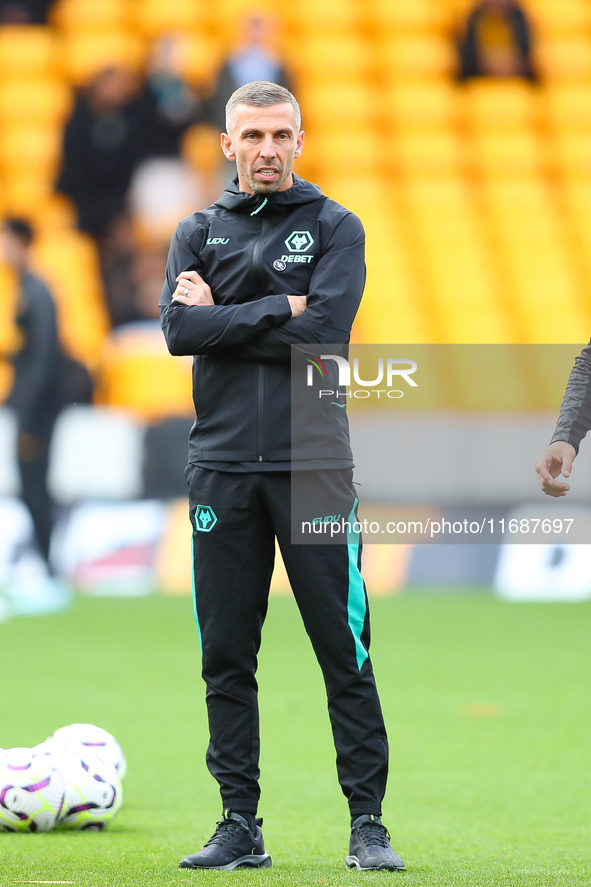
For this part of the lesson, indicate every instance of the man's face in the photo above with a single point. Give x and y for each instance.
(264, 143)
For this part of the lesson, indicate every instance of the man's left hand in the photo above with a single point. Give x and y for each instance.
(192, 289)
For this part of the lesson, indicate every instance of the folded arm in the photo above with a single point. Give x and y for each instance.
(336, 288)
(195, 325)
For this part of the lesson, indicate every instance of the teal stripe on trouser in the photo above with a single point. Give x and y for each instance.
(194, 588)
(356, 603)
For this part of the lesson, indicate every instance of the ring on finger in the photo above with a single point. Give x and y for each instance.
(186, 291)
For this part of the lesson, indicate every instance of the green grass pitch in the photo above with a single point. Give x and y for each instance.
(487, 707)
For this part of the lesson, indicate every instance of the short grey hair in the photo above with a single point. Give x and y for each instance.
(260, 94)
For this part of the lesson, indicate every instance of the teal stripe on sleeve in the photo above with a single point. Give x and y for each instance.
(194, 589)
(356, 603)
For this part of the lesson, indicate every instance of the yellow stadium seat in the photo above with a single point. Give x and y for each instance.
(342, 149)
(38, 101)
(573, 153)
(225, 19)
(434, 195)
(533, 244)
(201, 147)
(330, 15)
(198, 56)
(427, 152)
(80, 15)
(460, 8)
(514, 152)
(26, 50)
(55, 213)
(454, 257)
(522, 206)
(421, 103)
(564, 57)
(352, 103)
(6, 378)
(34, 148)
(418, 55)
(568, 105)
(333, 55)
(25, 194)
(577, 193)
(462, 286)
(138, 374)
(85, 53)
(68, 261)
(507, 196)
(363, 194)
(420, 15)
(10, 337)
(154, 17)
(491, 103)
(562, 17)
(391, 310)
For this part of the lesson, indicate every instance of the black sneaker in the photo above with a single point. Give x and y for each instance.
(232, 846)
(370, 848)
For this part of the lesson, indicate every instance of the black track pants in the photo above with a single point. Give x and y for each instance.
(236, 518)
(36, 497)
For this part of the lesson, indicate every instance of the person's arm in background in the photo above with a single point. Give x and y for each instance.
(36, 365)
(72, 177)
(194, 324)
(574, 421)
(336, 288)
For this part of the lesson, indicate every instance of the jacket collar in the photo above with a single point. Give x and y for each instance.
(255, 204)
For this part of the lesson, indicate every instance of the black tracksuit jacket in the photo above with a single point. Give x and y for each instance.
(253, 251)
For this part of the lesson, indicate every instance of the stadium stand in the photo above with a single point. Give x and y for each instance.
(476, 197)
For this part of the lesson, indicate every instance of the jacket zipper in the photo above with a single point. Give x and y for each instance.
(257, 267)
(261, 399)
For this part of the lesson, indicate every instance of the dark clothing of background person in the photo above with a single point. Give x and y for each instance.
(574, 420)
(25, 12)
(101, 150)
(36, 398)
(168, 107)
(476, 56)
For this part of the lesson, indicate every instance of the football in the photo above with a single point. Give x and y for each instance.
(32, 792)
(103, 744)
(93, 791)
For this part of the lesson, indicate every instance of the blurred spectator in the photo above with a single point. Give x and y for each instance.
(116, 261)
(496, 42)
(24, 12)
(149, 270)
(254, 59)
(102, 145)
(164, 189)
(37, 396)
(170, 104)
(132, 275)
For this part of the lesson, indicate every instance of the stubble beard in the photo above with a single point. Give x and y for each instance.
(263, 188)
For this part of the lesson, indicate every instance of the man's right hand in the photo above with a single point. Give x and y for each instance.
(297, 304)
(554, 460)
(192, 289)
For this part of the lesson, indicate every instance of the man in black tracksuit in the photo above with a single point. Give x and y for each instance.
(36, 396)
(273, 263)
